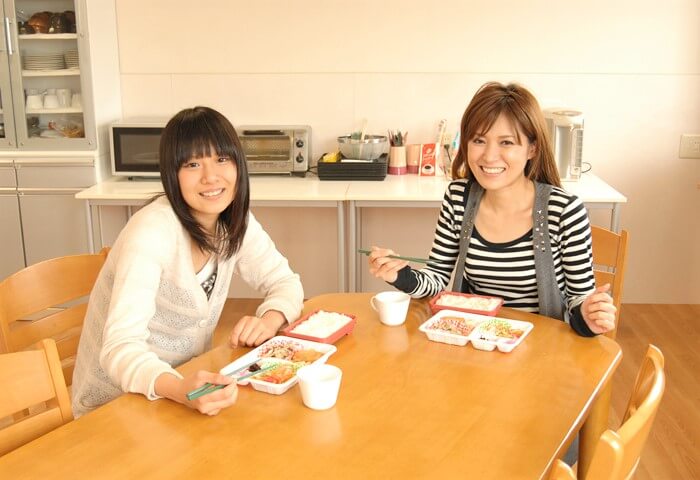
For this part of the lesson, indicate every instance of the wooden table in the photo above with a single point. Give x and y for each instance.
(408, 408)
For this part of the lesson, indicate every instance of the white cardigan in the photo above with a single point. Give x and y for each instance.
(147, 313)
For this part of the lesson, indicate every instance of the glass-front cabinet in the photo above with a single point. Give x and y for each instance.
(41, 80)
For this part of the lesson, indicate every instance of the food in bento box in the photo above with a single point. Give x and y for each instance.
(457, 325)
(307, 355)
(280, 373)
(499, 328)
(321, 324)
(468, 303)
(289, 350)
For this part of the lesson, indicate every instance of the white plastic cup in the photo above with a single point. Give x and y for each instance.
(391, 306)
(76, 101)
(319, 384)
(51, 101)
(64, 97)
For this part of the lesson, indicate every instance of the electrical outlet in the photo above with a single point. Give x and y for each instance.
(690, 146)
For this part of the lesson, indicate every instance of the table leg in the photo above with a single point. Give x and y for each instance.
(593, 428)
(352, 248)
(342, 254)
(91, 240)
(615, 218)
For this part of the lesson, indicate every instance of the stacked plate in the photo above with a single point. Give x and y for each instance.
(71, 58)
(49, 61)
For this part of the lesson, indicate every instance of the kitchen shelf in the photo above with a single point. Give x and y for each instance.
(49, 111)
(63, 72)
(49, 36)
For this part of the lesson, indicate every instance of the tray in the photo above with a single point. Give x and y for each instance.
(481, 337)
(492, 309)
(261, 351)
(353, 170)
(332, 337)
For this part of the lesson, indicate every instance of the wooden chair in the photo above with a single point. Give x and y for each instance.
(617, 454)
(43, 289)
(32, 380)
(609, 261)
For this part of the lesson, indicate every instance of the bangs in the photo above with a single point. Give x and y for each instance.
(200, 136)
(481, 124)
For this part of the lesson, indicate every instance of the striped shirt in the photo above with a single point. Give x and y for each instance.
(507, 269)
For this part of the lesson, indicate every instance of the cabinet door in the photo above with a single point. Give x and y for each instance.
(7, 122)
(12, 256)
(54, 223)
(47, 81)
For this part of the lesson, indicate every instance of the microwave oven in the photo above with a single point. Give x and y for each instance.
(269, 149)
(134, 147)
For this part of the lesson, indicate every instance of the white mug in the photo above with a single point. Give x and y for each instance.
(319, 384)
(391, 306)
(64, 97)
(35, 102)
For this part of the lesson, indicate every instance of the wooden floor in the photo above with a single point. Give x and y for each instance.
(672, 451)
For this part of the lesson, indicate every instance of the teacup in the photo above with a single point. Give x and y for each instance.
(391, 306)
(319, 384)
(64, 97)
(35, 101)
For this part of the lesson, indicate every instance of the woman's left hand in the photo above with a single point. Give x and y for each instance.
(598, 310)
(251, 331)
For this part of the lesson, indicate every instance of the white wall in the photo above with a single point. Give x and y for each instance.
(632, 67)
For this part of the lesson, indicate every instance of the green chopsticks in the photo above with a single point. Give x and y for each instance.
(208, 388)
(399, 257)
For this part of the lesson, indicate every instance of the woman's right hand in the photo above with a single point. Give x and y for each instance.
(381, 266)
(169, 386)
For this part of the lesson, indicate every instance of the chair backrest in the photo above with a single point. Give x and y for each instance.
(609, 261)
(617, 454)
(35, 399)
(56, 292)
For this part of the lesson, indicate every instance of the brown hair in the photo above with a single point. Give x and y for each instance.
(194, 133)
(520, 107)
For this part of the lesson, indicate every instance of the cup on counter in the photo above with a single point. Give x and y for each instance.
(319, 384)
(76, 101)
(413, 157)
(35, 102)
(64, 97)
(391, 306)
(51, 101)
(397, 160)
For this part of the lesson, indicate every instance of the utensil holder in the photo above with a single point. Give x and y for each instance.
(413, 157)
(397, 160)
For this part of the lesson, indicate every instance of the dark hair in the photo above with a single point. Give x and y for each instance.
(520, 107)
(192, 133)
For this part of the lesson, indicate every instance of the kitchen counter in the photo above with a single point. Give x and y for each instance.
(396, 191)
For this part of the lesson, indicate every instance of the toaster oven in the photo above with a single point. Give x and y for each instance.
(278, 149)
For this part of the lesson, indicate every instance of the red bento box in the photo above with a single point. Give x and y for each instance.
(482, 304)
(332, 337)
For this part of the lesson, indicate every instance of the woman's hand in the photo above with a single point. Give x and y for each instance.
(174, 388)
(381, 266)
(251, 331)
(598, 310)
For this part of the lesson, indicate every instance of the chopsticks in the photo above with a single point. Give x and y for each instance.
(400, 257)
(210, 387)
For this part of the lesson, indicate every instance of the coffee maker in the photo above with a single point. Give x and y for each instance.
(566, 133)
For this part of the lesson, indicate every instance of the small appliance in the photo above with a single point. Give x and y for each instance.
(566, 133)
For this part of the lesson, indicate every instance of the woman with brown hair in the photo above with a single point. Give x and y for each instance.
(506, 227)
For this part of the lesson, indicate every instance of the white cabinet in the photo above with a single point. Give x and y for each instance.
(45, 83)
(40, 215)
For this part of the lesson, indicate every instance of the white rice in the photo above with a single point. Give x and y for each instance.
(469, 303)
(322, 324)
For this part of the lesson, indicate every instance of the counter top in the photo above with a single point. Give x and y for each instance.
(399, 188)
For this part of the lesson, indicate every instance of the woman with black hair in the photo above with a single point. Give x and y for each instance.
(161, 291)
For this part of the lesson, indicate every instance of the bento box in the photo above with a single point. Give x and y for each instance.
(500, 333)
(484, 332)
(466, 302)
(451, 326)
(278, 361)
(321, 326)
